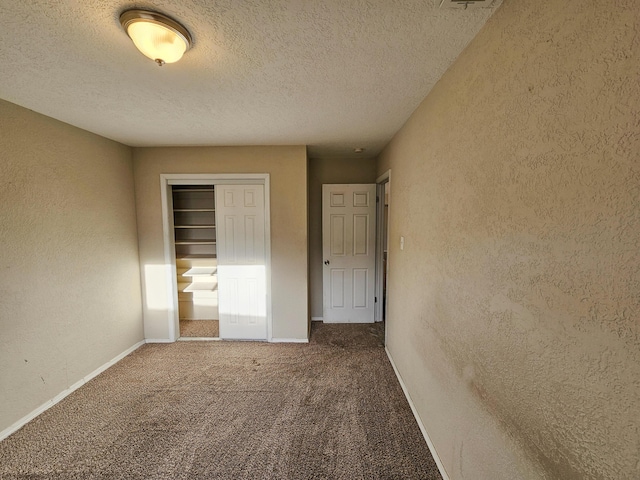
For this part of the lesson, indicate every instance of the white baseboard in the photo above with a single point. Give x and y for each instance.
(159, 340)
(432, 448)
(317, 319)
(50, 403)
(289, 340)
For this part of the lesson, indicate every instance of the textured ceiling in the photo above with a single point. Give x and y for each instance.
(330, 74)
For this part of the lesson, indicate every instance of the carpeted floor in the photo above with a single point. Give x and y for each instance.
(199, 328)
(330, 409)
(347, 335)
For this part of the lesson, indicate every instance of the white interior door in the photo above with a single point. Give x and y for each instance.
(240, 220)
(348, 245)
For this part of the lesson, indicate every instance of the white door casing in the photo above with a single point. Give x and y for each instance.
(240, 238)
(348, 245)
(382, 241)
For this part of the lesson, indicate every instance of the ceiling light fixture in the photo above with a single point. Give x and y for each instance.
(157, 36)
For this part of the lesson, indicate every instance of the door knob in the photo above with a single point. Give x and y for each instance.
(326, 262)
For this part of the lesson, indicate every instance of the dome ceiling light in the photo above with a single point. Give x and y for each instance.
(157, 36)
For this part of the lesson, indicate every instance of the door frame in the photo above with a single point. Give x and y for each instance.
(379, 315)
(167, 180)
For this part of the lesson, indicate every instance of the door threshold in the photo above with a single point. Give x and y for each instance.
(199, 339)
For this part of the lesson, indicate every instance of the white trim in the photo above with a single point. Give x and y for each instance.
(168, 179)
(378, 314)
(289, 340)
(317, 319)
(50, 403)
(380, 182)
(159, 340)
(385, 176)
(432, 448)
(267, 251)
(220, 178)
(169, 258)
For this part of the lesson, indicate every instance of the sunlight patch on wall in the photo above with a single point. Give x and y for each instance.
(157, 295)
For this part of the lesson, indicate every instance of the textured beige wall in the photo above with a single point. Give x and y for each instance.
(287, 167)
(514, 313)
(70, 284)
(328, 170)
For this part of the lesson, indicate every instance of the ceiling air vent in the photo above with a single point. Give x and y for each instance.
(464, 4)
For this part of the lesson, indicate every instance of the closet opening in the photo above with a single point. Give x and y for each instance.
(217, 256)
(194, 225)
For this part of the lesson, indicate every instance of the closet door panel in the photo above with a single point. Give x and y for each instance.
(241, 261)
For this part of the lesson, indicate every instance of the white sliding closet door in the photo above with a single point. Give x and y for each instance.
(240, 220)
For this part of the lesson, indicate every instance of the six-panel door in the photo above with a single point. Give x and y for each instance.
(348, 244)
(240, 219)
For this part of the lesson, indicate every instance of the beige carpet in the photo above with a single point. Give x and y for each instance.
(199, 328)
(331, 409)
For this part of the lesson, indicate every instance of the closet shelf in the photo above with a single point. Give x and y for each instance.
(195, 242)
(194, 210)
(194, 226)
(200, 272)
(201, 287)
(193, 189)
(196, 256)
